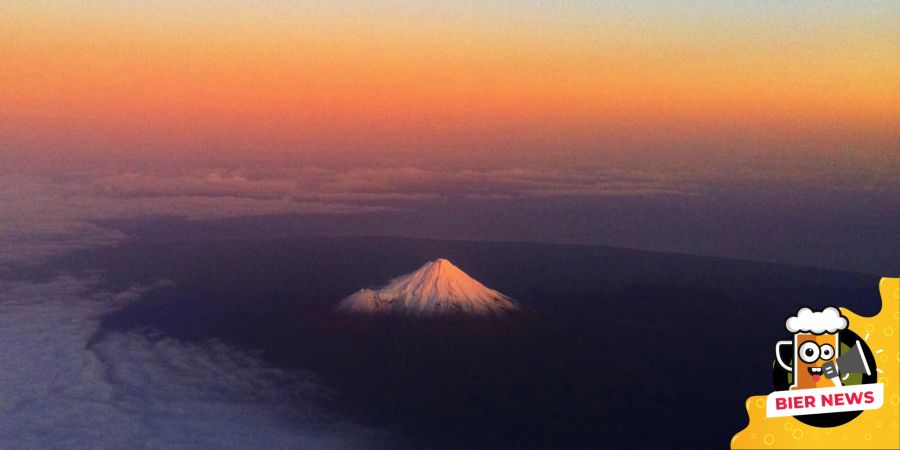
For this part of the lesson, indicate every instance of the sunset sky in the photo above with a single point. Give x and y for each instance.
(549, 82)
(739, 129)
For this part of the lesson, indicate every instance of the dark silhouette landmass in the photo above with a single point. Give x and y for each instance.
(620, 348)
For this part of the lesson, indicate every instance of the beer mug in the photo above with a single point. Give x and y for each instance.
(810, 352)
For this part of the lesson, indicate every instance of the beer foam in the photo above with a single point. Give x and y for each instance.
(829, 320)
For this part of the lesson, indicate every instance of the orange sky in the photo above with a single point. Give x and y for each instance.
(124, 77)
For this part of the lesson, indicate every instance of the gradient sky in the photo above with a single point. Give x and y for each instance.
(760, 130)
(527, 82)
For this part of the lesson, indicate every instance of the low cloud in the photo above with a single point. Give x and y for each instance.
(64, 389)
(50, 212)
(44, 216)
(362, 186)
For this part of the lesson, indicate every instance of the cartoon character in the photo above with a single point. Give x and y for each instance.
(815, 345)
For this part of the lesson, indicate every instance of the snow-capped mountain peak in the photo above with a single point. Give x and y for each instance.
(438, 287)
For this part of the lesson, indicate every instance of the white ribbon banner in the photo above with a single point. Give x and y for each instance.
(803, 402)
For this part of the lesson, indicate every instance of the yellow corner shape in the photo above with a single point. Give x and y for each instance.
(878, 428)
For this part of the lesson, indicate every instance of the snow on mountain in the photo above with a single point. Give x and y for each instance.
(436, 288)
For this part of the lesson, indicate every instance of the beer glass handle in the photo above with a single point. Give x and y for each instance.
(778, 354)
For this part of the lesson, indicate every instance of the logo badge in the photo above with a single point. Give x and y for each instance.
(825, 375)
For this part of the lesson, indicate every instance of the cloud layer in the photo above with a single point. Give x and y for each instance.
(51, 208)
(52, 212)
(60, 389)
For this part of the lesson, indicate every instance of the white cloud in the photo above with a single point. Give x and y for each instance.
(61, 390)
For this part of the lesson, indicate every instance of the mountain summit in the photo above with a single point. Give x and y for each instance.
(437, 288)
